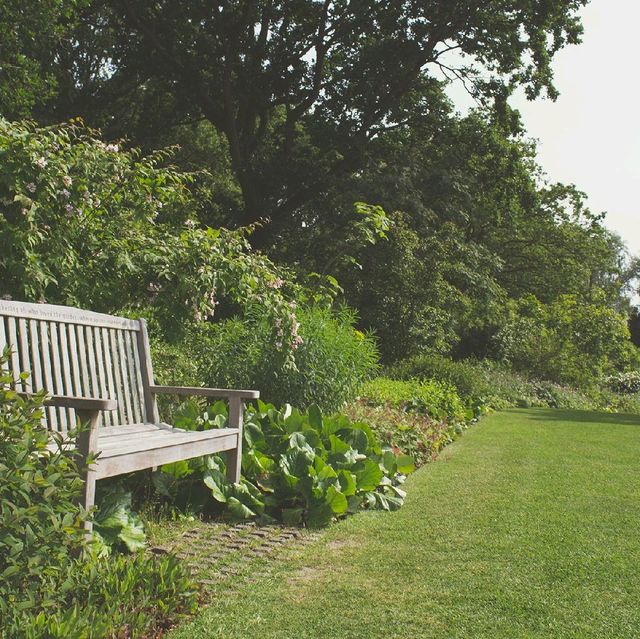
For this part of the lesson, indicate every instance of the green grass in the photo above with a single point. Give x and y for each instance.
(528, 526)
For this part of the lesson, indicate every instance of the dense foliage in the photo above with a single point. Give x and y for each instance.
(331, 360)
(52, 582)
(486, 385)
(298, 91)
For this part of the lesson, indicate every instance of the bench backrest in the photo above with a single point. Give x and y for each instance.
(69, 351)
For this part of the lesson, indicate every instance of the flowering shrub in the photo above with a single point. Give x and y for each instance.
(89, 224)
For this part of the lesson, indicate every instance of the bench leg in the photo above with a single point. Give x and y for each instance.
(234, 457)
(89, 497)
(87, 444)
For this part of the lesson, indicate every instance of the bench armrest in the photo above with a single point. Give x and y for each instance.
(78, 403)
(204, 392)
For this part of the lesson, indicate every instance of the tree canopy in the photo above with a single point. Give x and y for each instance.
(303, 86)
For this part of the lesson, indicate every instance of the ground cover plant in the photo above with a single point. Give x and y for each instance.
(53, 583)
(527, 530)
(416, 418)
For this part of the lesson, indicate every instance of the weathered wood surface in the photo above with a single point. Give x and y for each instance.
(97, 368)
(206, 392)
(66, 314)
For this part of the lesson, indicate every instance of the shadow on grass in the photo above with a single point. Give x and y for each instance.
(594, 417)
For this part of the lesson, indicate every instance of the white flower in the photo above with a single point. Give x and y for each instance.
(112, 147)
(41, 163)
(65, 193)
(67, 181)
(190, 224)
(31, 187)
(69, 209)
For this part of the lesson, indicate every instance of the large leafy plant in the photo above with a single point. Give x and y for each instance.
(301, 467)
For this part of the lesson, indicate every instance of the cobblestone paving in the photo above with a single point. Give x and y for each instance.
(222, 555)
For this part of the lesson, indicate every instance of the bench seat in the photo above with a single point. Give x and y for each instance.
(125, 449)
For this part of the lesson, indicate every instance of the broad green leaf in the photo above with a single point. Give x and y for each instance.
(369, 475)
(406, 464)
(292, 516)
(337, 500)
(214, 482)
(315, 417)
(347, 482)
(238, 510)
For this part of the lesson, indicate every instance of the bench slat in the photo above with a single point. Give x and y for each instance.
(134, 382)
(107, 369)
(110, 464)
(3, 335)
(84, 381)
(101, 371)
(13, 344)
(124, 374)
(25, 364)
(56, 370)
(112, 350)
(78, 388)
(36, 368)
(118, 431)
(46, 368)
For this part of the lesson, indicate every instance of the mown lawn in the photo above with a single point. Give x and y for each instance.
(528, 526)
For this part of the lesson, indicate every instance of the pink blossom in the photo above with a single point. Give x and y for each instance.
(277, 283)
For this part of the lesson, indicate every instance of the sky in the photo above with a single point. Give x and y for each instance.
(590, 136)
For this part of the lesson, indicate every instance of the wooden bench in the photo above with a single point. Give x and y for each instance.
(97, 368)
